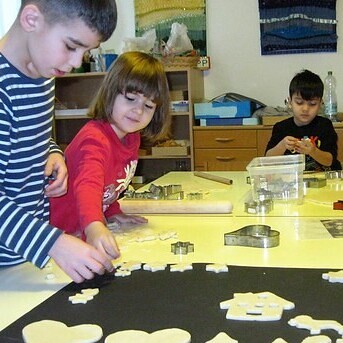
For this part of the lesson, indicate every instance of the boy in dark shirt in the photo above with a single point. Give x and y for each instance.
(306, 132)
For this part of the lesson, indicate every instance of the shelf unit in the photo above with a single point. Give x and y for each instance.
(75, 92)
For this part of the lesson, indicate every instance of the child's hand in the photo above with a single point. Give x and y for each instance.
(56, 167)
(127, 219)
(78, 259)
(102, 239)
(305, 146)
(290, 143)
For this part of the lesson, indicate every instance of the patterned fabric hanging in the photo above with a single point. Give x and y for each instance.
(161, 14)
(297, 26)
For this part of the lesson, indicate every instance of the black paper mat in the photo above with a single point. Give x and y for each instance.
(190, 301)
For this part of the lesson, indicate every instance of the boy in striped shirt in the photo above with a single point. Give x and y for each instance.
(47, 39)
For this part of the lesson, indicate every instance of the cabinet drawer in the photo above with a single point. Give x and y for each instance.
(223, 159)
(225, 139)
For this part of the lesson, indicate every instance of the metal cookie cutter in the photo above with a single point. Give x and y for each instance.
(314, 182)
(258, 236)
(260, 206)
(182, 248)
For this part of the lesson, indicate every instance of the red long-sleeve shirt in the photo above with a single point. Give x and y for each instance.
(100, 167)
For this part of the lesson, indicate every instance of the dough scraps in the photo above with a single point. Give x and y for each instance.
(217, 268)
(264, 306)
(333, 276)
(57, 332)
(155, 266)
(181, 267)
(315, 326)
(85, 295)
(173, 335)
(222, 337)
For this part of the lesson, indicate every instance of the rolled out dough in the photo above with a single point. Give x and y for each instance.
(57, 332)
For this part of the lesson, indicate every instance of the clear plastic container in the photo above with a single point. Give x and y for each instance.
(277, 178)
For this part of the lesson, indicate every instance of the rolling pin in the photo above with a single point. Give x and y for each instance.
(213, 177)
(133, 206)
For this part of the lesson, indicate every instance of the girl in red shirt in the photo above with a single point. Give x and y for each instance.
(133, 100)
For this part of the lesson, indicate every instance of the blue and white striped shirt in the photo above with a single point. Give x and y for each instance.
(26, 113)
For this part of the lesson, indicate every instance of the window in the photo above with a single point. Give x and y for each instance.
(8, 12)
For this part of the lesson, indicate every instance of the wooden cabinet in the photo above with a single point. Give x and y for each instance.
(233, 147)
(74, 93)
(224, 149)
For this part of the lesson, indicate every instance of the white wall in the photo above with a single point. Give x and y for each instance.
(233, 41)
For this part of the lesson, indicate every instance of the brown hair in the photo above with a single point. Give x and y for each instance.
(98, 15)
(136, 72)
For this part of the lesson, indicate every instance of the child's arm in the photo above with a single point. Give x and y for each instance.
(287, 143)
(100, 237)
(78, 259)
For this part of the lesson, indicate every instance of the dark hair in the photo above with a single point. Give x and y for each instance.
(309, 85)
(136, 72)
(98, 15)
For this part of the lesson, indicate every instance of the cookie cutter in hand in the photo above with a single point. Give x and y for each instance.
(182, 248)
(257, 236)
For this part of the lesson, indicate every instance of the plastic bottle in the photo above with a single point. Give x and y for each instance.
(330, 97)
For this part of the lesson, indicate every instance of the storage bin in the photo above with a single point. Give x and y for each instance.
(277, 178)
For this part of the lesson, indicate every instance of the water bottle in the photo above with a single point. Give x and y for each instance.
(330, 97)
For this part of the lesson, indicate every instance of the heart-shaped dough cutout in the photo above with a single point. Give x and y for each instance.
(57, 332)
(173, 335)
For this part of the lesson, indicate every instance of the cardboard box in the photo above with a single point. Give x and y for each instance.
(228, 121)
(181, 150)
(230, 109)
(277, 178)
(271, 120)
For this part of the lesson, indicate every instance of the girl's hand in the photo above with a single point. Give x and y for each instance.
(127, 219)
(100, 237)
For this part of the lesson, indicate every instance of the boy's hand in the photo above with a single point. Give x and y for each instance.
(78, 259)
(100, 237)
(290, 143)
(56, 168)
(305, 146)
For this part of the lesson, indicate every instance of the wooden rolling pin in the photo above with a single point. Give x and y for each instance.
(213, 177)
(134, 206)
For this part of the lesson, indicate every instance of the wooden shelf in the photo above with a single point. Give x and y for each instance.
(76, 90)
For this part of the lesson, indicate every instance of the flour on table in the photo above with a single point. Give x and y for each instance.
(333, 276)
(181, 267)
(222, 337)
(57, 332)
(263, 306)
(163, 236)
(155, 266)
(315, 326)
(50, 276)
(217, 268)
(173, 335)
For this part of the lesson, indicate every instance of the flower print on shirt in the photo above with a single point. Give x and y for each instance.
(111, 192)
(129, 173)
